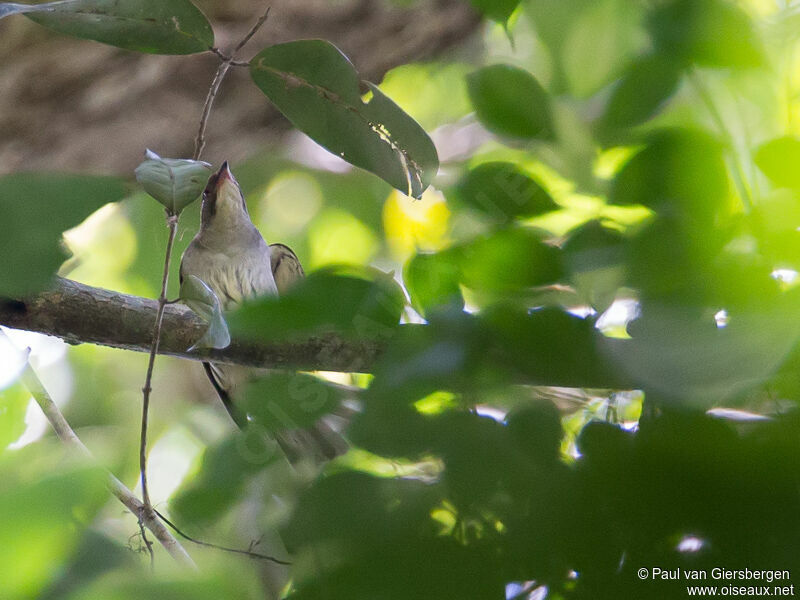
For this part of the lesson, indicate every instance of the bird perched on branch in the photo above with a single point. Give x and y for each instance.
(231, 257)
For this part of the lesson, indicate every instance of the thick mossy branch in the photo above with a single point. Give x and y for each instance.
(80, 313)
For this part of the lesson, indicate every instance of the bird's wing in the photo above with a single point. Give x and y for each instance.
(286, 267)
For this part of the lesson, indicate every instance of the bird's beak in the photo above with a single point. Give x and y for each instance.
(223, 174)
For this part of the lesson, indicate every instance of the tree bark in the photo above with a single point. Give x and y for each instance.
(76, 105)
(79, 313)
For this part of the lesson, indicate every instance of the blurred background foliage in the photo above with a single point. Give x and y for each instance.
(606, 378)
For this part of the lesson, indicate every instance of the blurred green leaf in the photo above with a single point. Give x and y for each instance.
(317, 88)
(49, 509)
(509, 260)
(710, 33)
(509, 101)
(594, 255)
(361, 302)
(218, 483)
(680, 353)
(642, 91)
(503, 191)
(497, 10)
(152, 26)
(779, 159)
(678, 172)
(285, 401)
(202, 300)
(605, 35)
(37, 208)
(13, 406)
(173, 182)
(432, 281)
(211, 584)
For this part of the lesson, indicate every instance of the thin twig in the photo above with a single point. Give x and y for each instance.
(249, 552)
(172, 223)
(67, 435)
(148, 546)
(219, 76)
(253, 30)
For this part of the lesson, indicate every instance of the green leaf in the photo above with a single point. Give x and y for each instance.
(174, 182)
(679, 171)
(595, 258)
(359, 302)
(497, 10)
(711, 33)
(433, 280)
(218, 483)
(606, 35)
(13, 406)
(36, 209)
(50, 508)
(641, 92)
(779, 159)
(509, 101)
(503, 191)
(508, 261)
(152, 26)
(286, 401)
(196, 294)
(680, 353)
(317, 88)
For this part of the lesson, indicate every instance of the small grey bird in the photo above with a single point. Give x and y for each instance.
(231, 257)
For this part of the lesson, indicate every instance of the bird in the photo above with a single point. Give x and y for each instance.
(230, 255)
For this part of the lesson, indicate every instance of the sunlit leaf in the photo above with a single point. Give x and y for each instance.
(153, 26)
(37, 208)
(509, 101)
(13, 405)
(317, 88)
(174, 182)
(779, 159)
(503, 191)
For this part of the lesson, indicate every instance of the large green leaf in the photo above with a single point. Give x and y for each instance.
(503, 191)
(509, 101)
(36, 209)
(432, 281)
(711, 33)
(285, 401)
(153, 26)
(642, 91)
(362, 303)
(44, 512)
(317, 88)
(679, 171)
(779, 159)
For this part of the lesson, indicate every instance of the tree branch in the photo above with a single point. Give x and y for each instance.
(79, 313)
(123, 494)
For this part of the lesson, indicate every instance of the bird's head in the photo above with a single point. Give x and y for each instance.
(223, 201)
